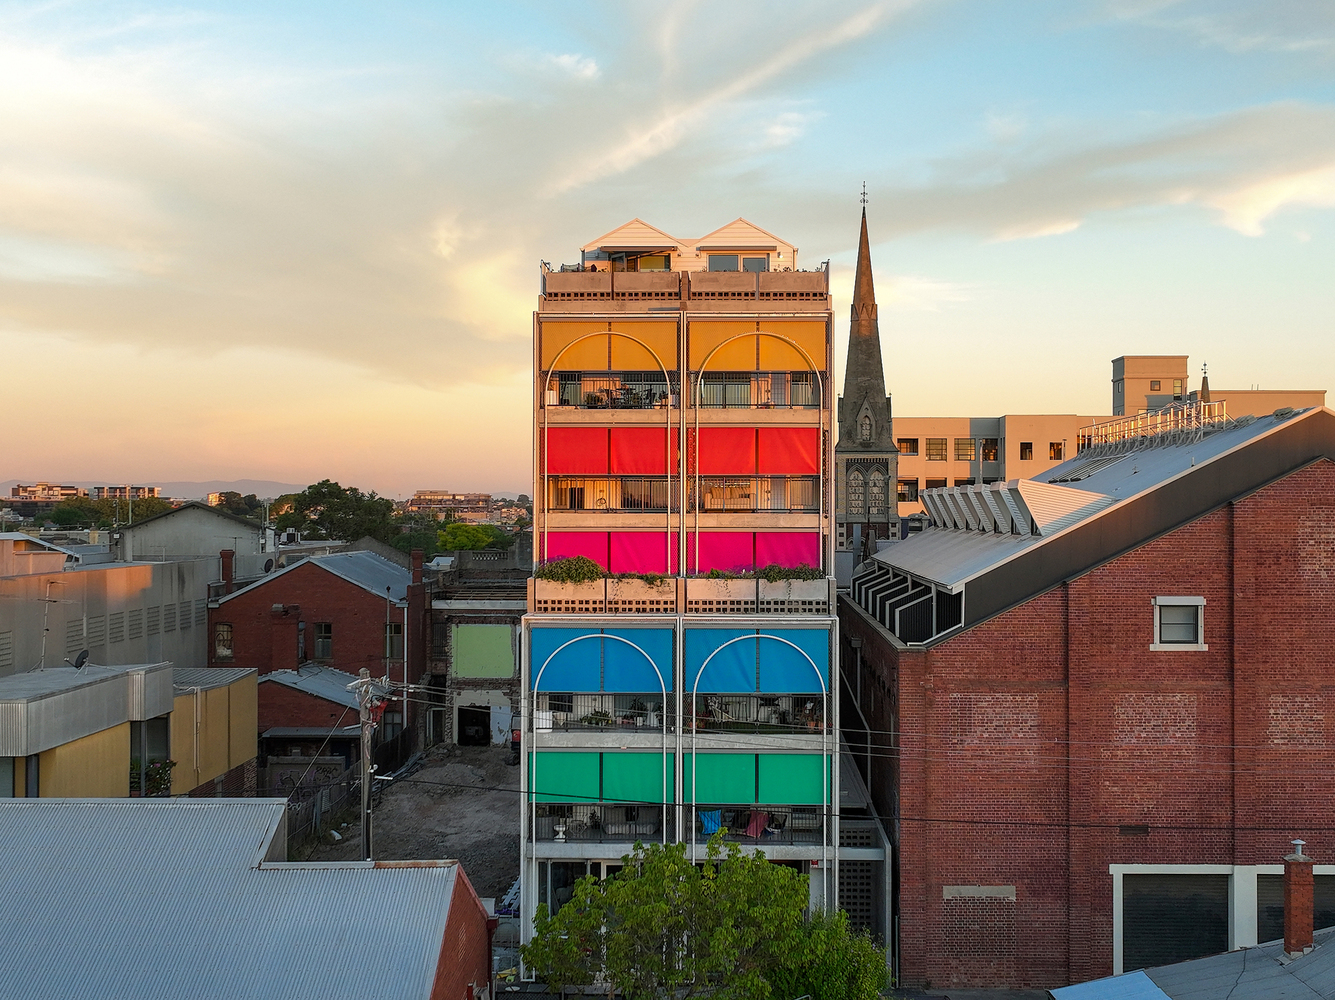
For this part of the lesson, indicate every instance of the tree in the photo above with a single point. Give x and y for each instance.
(328, 510)
(86, 512)
(731, 928)
(462, 535)
(427, 541)
(242, 506)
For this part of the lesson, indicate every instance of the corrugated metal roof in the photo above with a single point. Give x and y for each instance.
(1132, 986)
(42, 709)
(206, 678)
(1253, 974)
(367, 570)
(323, 682)
(168, 898)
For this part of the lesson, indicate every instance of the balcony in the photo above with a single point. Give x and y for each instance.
(568, 713)
(759, 714)
(762, 494)
(610, 596)
(614, 495)
(746, 597)
(758, 390)
(767, 824)
(599, 822)
(743, 290)
(612, 391)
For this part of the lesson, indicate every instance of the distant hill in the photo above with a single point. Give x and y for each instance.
(194, 491)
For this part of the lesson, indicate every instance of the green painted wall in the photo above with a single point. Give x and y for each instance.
(482, 651)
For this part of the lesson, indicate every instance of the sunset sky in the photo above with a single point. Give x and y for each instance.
(301, 240)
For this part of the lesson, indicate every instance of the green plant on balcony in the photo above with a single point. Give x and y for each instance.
(575, 569)
(774, 573)
(598, 718)
(157, 777)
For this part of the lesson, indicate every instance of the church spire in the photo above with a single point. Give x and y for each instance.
(864, 379)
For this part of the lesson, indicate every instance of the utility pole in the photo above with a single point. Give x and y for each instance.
(372, 704)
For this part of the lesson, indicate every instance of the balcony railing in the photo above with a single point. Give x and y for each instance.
(763, 390)
(600, 822)
(767, 824)
(612, 390)
(778, 494)
(786, 713)
(616, 495)
(557, 712)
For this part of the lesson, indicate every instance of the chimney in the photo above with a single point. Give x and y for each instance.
(228, 557)
(417, 567)
(1297, 902)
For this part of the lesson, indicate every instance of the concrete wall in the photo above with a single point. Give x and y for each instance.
(1034, 750)
(141, 613)
(195, 532)
(96, 766)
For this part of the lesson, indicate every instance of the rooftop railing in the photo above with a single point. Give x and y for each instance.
(1180, 423)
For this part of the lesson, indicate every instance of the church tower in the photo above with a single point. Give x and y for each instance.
(865, 457)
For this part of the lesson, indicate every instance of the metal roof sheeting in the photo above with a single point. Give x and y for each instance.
(367, 570)
(207, 678)
(42, 709)
(1132, 986)
(168, 898)
(323, 682)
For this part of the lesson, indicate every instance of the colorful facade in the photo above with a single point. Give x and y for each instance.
(682, 431)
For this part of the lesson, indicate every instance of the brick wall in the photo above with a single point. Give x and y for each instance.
(1033, 745)
(465, 952)
(280, 705)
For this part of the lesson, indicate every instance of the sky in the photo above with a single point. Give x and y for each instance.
(300, 241)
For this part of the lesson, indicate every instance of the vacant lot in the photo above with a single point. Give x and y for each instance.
(462, 803)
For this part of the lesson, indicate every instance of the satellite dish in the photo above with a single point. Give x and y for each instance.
(81, 659)
(268, 565)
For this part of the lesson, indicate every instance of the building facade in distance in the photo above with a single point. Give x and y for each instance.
(1145, 383)
(683, 417)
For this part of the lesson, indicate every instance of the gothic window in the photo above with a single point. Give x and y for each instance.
(864, 428)
(856, 491)
(876, 494)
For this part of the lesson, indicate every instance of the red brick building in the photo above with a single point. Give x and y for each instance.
(1095, 709)
(346, 611)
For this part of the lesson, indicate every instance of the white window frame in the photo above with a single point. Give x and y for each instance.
(1199, 603)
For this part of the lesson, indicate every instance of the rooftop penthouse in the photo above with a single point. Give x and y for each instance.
(638, 268)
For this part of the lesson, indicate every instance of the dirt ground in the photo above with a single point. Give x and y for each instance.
(462, 803)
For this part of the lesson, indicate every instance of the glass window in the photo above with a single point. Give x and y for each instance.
(1177, 388)
(1026, 451)
(876, 493)
(964, 450)
(755, 264)
(222, 641)
(1180, 624)
(908, 490)
(394, 640)
(1154, 385)
(654, 262)
(987, 448)
(935, 484)
(908, 446)
(856, 491)
(324, 640)
(963, 482)
(936, 449)
(1055, 450)
(723, 262)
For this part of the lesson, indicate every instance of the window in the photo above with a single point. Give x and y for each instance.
(391, 724)
(394, 641)
(908, 446)
(723, 262)
(1179, 623)
(1026, 451)
(654, 262)
(908, 490)
(936, 449)
(963, 482)
(1055, 450)
(324, 640)
(987, 448)
(1154, 385)
(964, 450)
(856, 491)
(864, 428)
(222, 641)
(935, 484)
(755, 263)
(1177, 388)
(1117, 387)
(876, 493)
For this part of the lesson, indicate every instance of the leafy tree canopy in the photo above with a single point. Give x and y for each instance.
(243, 506)
(732, 929)
(427, 541)
(328, 510)
(461, 535)
(85, 512)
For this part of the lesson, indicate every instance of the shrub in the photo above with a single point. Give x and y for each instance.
(575, 569)
(774, 573)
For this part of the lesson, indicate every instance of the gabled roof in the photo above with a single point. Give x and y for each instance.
(207, 678)
(1003, 544)
(367, 570)
(168, 898)
(633, 234)
(740, 233)
(320, 681)
(195, 505)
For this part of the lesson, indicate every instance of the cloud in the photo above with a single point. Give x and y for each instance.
(1292, 26)
(578, 66)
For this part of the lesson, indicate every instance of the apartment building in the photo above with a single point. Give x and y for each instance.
(1145, 383)
(440, 502)
(682, 420)
(972, 451)
(124, 492)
